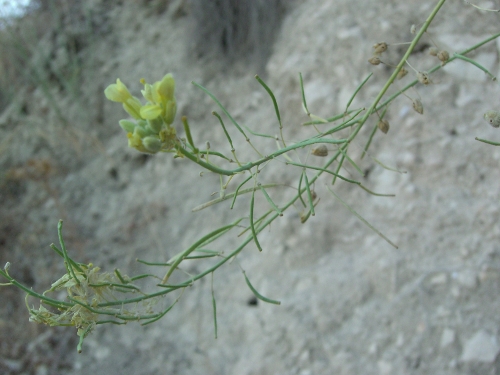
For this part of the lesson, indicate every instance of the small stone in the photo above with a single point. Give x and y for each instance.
(482, 347)
(442, 312)
(384, 367)
(447, 338)
(439, 279)
(400, 340)
(466, 278)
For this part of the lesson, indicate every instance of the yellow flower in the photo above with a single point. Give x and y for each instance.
(160, 97)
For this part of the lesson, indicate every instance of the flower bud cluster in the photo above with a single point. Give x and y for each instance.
(151, 129)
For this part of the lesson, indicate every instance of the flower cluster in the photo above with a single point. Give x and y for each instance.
(151, 132)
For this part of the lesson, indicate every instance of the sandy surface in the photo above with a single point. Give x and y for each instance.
(350, 303)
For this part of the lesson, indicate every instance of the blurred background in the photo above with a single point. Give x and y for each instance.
(351, 304)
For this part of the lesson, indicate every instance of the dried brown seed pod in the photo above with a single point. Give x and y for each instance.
(443, 56)
(383, 125)
(402, 73)
(417, 106)
(433, 51)
(314, 195)
(423, 78)
(380, 48)
(374, 60)
(493, 118)
(320, 150)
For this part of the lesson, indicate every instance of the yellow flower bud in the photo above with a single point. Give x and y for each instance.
(166, 87)
(148, 92)
(135, 141)
(117, 92)
(170, 111)
(150, 111)
(133, 106)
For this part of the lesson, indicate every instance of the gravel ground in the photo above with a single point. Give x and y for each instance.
(350, 302)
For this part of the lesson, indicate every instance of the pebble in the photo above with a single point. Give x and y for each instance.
(384, 367)
(466, 278)
(447, 338)
(482, 347)
(439, 279)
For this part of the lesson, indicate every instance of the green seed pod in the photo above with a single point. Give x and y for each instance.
(127, 125)
(493, 118)
(152, 144)
(383, 125)
(320, 150)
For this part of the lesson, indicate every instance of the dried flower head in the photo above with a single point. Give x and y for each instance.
(413, 29)
(493, 118)
(423, 78)
(383, 125)
(320, 150)
(417, 106)
(380, 48)
(443, 56)
(402, 73)
(374, 60)
(433, 51)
